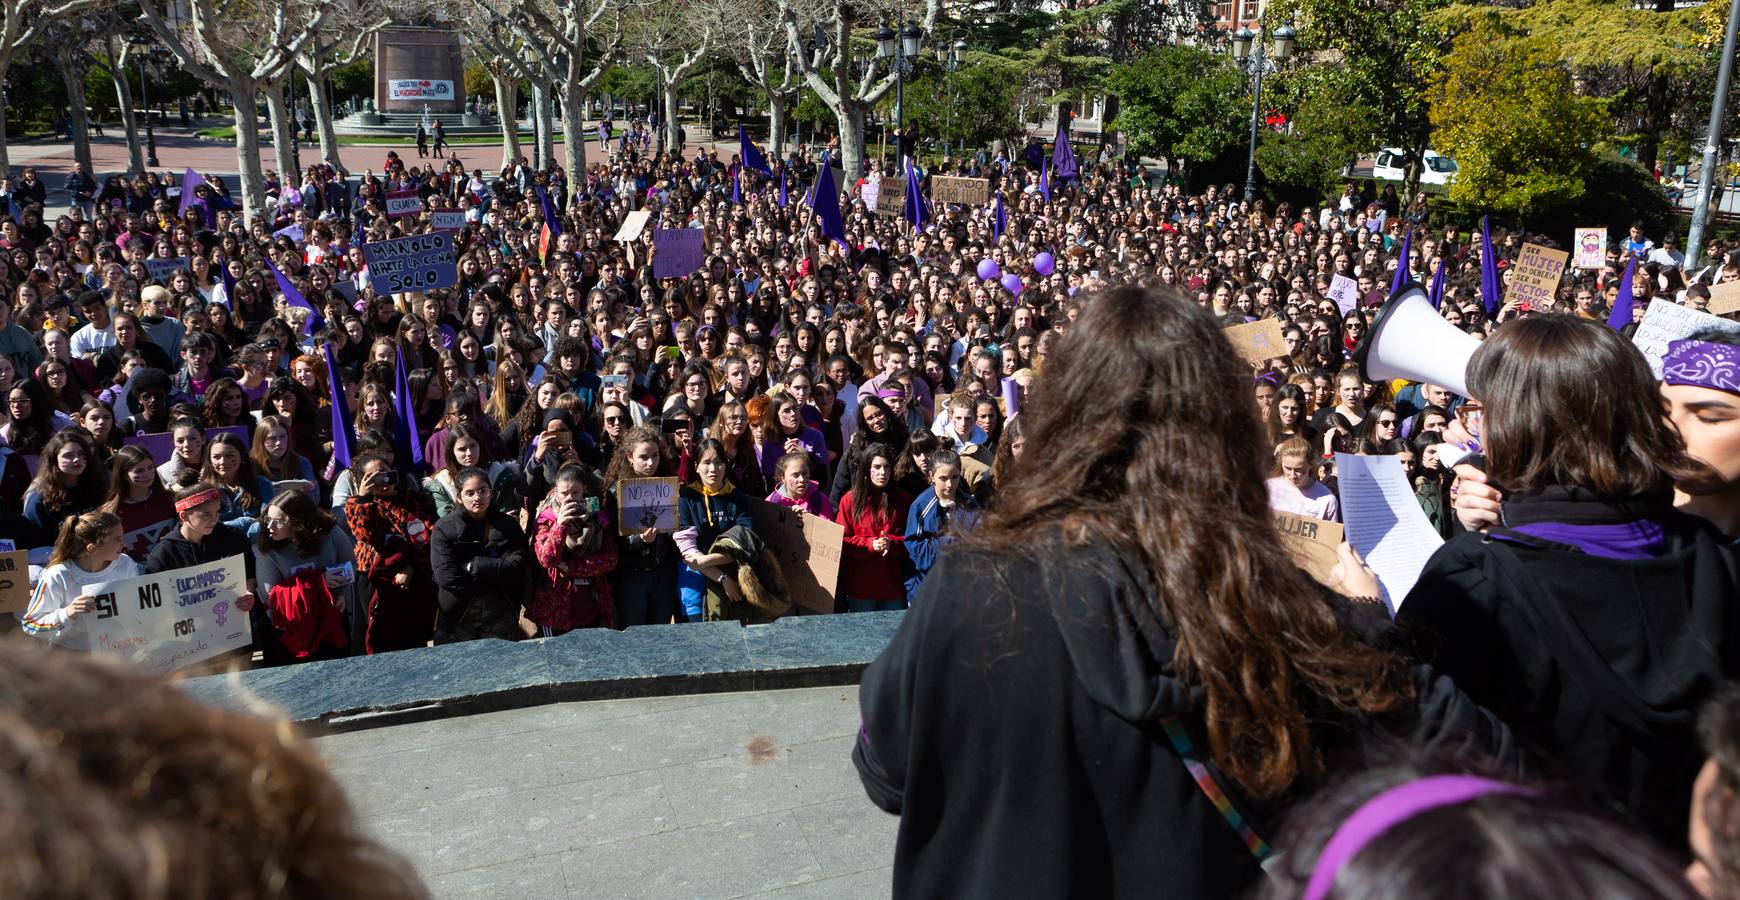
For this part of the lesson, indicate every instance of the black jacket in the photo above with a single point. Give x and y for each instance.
(1015, 725)
(176, 552)
(480, 570)
(1597, 664)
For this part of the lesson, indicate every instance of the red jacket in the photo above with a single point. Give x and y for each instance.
(864, 573)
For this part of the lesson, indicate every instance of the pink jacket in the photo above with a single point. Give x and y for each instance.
(815, 500)
(571, 591)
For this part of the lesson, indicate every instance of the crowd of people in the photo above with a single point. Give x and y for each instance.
(1039, 380)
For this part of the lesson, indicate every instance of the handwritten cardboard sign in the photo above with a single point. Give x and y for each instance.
(632, 225)
(1312, 543)
(447, 219)
(1666, 321)
(678, 251)
(890, 196)
(1724, 298)
(870, 191)
(808, 549)
(421, 262)
(954, 189)
(160, 269)
(1345, 292)
(14, 581)
(643, 503)
(173, 619)
(1535, 277)
(1591, 244)
(1258, 341)
(402, 203)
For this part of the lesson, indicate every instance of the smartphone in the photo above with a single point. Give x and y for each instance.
(592, 504)
(672, 426)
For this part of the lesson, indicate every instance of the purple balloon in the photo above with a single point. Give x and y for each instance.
(1012, 283)
(1044, 264)
(988, 269)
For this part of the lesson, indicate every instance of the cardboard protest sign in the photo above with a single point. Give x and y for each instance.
(1591, 244)
(1667, 321)
(678, 251)
(160, 269)
(891, 196)
(1345, 292)
(808, 549)
(643, 503)
(1258, 341)
(421, 262)
(1312, 543)
(1724, 298)
(870, 192)
(173, 619)
(14, 581)
(447, 219)
(402, 203)
(1535, 277)
(953, 189)
(632, 225)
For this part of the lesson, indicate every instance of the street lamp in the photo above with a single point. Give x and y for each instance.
(903, 53)
(951, 56)
(1248, 49)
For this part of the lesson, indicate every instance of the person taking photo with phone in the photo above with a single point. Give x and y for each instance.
(392, 552)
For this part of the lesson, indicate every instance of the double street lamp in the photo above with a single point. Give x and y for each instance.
(901, 53)
(951, 56)
(1248, 48)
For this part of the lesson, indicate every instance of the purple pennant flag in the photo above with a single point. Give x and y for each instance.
(1624, 305)
(1436, 295)
(190, 181)
(751, 157)
(1489, 290)
(1063, 156)
(1045, 179)
(229, 285)
(916, 210)
(343, 431)
(999, 219)
(1401, 276)
(737, 187)
(293, 297)
(405, 429)
(825, 200)
(782, 193)
(1011, 396)
(550, 218)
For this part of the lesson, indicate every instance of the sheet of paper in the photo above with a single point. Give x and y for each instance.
(1666, 322)
(1385, 523)
(1345, 292)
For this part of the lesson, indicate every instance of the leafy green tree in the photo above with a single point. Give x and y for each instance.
(358, 80)
(1327, 134)
(974, 105)
(1506, 108)
(1181, 102)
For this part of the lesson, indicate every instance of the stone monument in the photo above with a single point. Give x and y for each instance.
(418, 68)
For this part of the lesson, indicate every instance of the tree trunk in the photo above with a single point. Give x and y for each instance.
(322, 107)
(124, 101)
(574, 129)
(670, 114)
(851, 122)
(507, 104)
(279, 115)
(72, 79)
(776, 107)
(541, 125)
(246, 94)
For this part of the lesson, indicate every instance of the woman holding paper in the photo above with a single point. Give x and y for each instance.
(1594, 618)
(87, 553)
(300, 542)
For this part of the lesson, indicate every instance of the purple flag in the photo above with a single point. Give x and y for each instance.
(999, 219)
(782, 194)
(825, 200)
(294, 297)
(550, 218)
(737, 187)
(1624, 305)
(1401, 276)
(1045, 179)
(1436, 295)
(751, 157)
(916, 211)
(343, 433)
(190, 181)
(1489, 291)
(405, 429)
(1063, 156)
(229, 285)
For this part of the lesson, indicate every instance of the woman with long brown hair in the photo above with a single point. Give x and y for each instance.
(1122, 649)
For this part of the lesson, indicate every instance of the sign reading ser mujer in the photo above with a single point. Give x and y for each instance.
(421, 262)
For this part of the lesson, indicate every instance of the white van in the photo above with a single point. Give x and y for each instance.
(1391, 165)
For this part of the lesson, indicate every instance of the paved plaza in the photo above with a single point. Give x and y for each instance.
(711, 795)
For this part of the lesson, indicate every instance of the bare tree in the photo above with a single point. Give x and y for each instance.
(558, 37)
(830, 69)
(766, 63)
(242, 47)
(496, 46)
(119, 53)
(67, 43)
(672, 43)
(21, 22)
(352, 26)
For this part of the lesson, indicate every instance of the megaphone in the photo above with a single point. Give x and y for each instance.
(1411, 340)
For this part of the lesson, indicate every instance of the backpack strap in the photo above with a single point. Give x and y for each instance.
(1200, 769)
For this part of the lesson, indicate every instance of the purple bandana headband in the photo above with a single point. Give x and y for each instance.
(1392, 808)
(1704, 364)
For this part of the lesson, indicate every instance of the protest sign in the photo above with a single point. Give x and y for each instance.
(1667, 321)
(173, 619)
(870, 191)
(1724, 298)
(14, 581)
(1591, 244)
(1385, 523)
(160, 269)
(643, 503)
(1312, 543)
(808, 549)
(292, 231)
(1345, 292)
(1535, 277)
(952, 189)
(447, 219)
(891, 196)
(1258, 341)
(632, 225)
(678, 251)
(418, 263)
(402, 203)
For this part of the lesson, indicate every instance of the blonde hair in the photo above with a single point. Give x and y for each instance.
(79, 532)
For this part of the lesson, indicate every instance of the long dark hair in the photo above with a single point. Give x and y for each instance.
(309, 524)
(1571, 403)
(865, 494)
(1171, 478)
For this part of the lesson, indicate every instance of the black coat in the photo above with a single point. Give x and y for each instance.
(480, 570)
(1014, 724)
(1597, 664)
(176, 552)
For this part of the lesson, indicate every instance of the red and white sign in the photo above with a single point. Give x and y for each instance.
(403, 203)
(419, 89)
(447, 219)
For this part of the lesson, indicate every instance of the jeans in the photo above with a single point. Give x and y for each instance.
(855, 605)
(644, 598)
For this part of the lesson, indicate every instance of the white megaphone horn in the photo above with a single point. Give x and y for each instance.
(1411, 340)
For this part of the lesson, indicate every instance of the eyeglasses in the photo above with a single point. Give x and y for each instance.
(613, 420)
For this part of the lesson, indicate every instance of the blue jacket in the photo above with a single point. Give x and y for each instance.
(925, 538)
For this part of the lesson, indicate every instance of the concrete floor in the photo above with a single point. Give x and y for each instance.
(718, 795)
